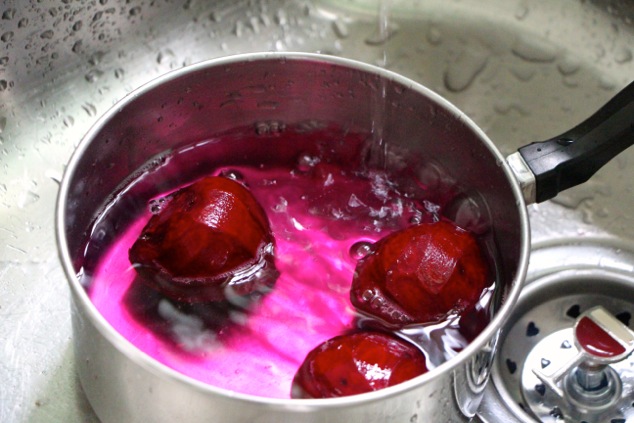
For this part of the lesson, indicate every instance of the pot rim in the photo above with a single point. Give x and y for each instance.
(304, 405)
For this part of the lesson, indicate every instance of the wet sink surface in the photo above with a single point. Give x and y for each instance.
(523, 70)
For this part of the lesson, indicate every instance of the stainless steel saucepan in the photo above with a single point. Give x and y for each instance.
(123, 384)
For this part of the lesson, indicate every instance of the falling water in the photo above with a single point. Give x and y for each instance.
(377, 151)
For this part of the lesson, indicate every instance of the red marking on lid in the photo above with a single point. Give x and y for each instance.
(596, 341)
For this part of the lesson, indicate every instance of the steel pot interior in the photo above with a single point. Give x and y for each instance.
(200, 101)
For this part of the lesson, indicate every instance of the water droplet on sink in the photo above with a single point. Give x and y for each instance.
(164, 56)
(606, 83)
(3, 84)
(90, 109)
(135, 11)
(521, 12)
(254, 24)
(533, 49)
(568, 65)
(69, 121)
(23, 23)
(77, 25)
(280, 17)
(93, 75)
(7, 36)
(381, 36)
(523, 73)
(119, 73)
(96, 58)
(215, 16)
(77, 46)
(340, 28)
(434, 36)
(505, 107)
(386, 28)
(623, 55)
(238, 29)
(27, 198)
(8, 14)
(460, 74)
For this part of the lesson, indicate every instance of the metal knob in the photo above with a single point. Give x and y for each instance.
(587, 380)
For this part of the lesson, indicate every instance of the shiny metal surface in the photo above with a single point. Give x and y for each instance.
(573, 275)
(524, 175)
(523, 70)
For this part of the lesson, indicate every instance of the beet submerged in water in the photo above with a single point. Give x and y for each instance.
(420, 275)
(210, 241)
(357, 363)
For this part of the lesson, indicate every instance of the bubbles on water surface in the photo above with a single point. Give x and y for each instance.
(306, 162)
(156, 205)
(232, 174)
(281, 206)
(367, 295)
(359, 250)
(270, 127)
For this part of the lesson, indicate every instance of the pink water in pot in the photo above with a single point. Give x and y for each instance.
(325, 209)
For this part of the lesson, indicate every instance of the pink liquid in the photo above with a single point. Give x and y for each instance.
(323, 215)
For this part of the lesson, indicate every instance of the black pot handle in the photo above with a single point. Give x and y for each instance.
(574, 156)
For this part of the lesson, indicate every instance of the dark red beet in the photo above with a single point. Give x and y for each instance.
(420, 274)
(211, 239)
(357, 363)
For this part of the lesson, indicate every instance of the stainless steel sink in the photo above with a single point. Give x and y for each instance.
(523, 70)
